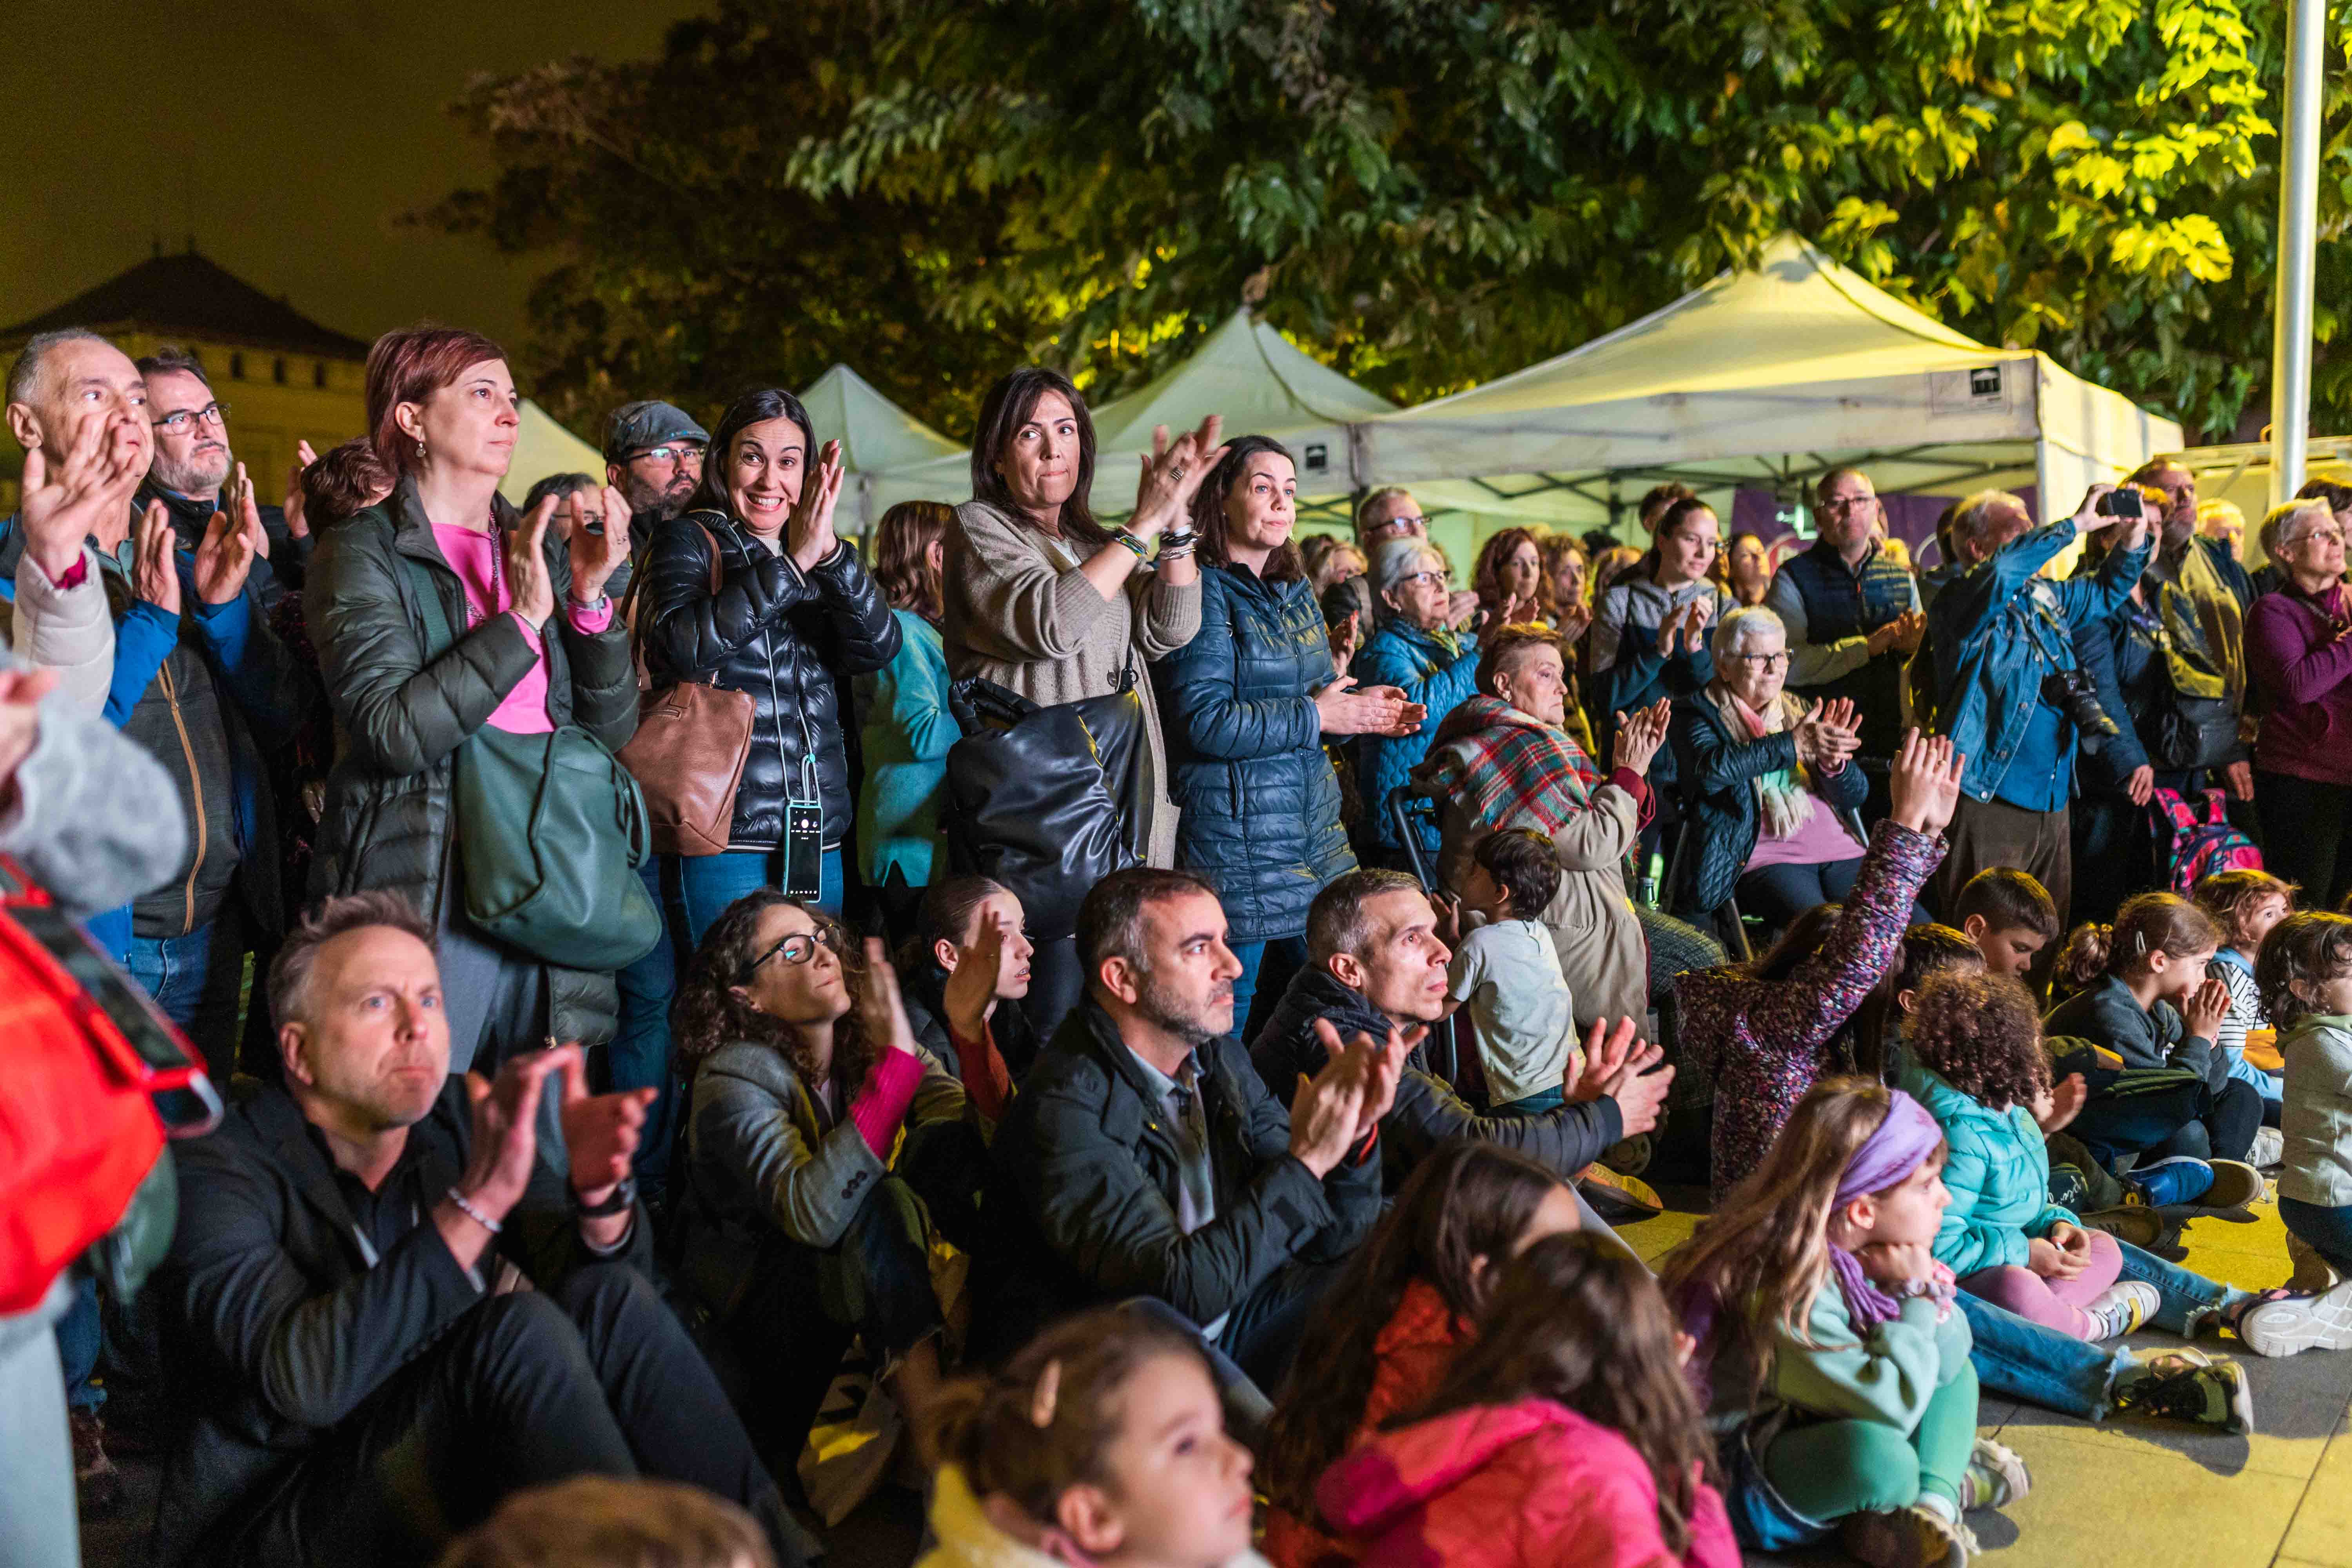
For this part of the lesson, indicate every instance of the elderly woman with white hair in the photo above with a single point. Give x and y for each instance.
(1766, 779)
(1418, 651)
(2299, 651)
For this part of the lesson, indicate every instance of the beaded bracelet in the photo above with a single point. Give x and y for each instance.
(1142, 550)
(471, 1213)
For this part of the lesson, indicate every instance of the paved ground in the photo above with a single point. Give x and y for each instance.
(2132, 1494)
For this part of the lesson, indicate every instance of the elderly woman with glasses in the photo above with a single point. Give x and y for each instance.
(2299, 652)
(807, 1219)
(1419, 651)
(1766, 781)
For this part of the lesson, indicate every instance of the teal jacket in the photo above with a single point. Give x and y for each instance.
(1998, 1171)
(1887, 1375)
(908, 732)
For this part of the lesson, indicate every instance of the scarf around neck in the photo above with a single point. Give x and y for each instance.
(1907, 1136)
(1784, 795)
(1506, 765)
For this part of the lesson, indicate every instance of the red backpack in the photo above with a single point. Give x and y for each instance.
(2197, 840)
(86, 1051)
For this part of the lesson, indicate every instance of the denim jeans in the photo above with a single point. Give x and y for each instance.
(2020, 1359)
(1288, 954)
(2327, 1230)
(195, 979)
(78, 1340)
(706, 884)
(2189, 1301)
(638, 1057)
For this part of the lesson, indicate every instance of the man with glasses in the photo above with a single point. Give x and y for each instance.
(193, 464)
(653, 455)
(1852, 618)
(1390, 512)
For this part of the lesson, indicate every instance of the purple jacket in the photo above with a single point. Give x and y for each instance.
(2300, 665)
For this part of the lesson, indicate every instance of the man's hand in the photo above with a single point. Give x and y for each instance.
(504, 1141)
(232, 545)
(297, 523)
(2241, 779)
(601, 1131)
(1617, 1067)
(1324, 1113)
(87, 496)
(1371, 1069)
(155, 562)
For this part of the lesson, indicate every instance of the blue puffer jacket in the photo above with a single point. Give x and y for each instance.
(1998, 1171)
(1260, 803)
(1404, 656)
(1997, 629)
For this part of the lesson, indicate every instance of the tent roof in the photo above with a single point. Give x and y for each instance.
(874, 432)
(1765, 376)
(543, 448)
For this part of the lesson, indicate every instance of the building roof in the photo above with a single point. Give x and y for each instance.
(188, 295)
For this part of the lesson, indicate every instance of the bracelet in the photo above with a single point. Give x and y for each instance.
(618, 1201)
(1142, 550)
(471, 1213)
(1178, 539)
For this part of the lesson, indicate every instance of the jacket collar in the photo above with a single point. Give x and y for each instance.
(1090, 1030)
(191, 515)
(285, 1134)
(1827, 555)
(412, 530)
(1347, 1008)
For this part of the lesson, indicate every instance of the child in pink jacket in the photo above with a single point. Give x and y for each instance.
(1567, 1435)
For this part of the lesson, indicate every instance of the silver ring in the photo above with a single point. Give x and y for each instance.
(1177, 472)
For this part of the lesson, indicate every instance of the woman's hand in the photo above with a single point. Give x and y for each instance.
(596, 556)
(1894, 1265)
(1575, 620)
(297, 525)
(1346, 638)
(2140, 785)
(970, 992)
(1172, 476)
(1639, 735)
(2055, 1108)
(532, 589)
(1670, 628)
(1926, 782)
(2207, 1006)
(1373, 710)
(809, 538)
(880, 1008)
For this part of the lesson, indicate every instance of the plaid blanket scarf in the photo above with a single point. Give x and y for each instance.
(1507, 766)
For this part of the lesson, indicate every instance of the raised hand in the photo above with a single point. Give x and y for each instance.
(1925, 786)
(970, 992)
(1324, 1113)
(2054, 1110)
(2088, 518)
(154, 560)
(1575, 620)
(809, 538)
(601, 1131)
(87, 496)
(249, 511)
(1617, 1067)
(1639, 735)
(225, 560)
(2207, 1006)
(1172, 475)
(1347, 637)
(880, 1008)
(297, 523)
(596, 556)
(505, 1142)
(1694, 626)
(531, 588)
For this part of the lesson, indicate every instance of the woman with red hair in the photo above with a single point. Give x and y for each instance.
(537, 647)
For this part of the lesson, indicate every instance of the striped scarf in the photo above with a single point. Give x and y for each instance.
(1507, 766)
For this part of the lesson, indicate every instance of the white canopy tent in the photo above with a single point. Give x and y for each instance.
(876, 435)
(1262, 384)
(542, 447)
(1762, 380)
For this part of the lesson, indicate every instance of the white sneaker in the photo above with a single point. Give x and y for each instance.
(2295, 1323)
(2269, 1149)
(2122, 1307)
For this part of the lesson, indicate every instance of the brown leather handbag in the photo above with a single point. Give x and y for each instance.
(689, 751)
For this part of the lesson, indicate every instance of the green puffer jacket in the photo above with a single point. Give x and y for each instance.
(1997, 1171)
(399, 721)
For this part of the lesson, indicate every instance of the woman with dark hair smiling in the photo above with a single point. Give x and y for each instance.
(1249, 701)
(536, 647)
(1047, 602)
(793, 608)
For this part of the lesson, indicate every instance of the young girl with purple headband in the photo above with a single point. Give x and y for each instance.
(1838, 1362)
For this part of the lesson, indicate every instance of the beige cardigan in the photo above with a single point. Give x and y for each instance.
(1017, 616)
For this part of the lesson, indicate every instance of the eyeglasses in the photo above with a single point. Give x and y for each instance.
(210, 414)
(2332, 535)
(1849, 503)
(677, 453)
(1409, 578)
(801, 946)
(1766, 662)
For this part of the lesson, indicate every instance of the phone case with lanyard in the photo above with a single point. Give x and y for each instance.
(805, 835)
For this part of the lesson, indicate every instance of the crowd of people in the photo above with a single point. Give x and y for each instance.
(1217, 1156)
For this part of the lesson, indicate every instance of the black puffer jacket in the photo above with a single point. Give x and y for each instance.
(777, 634)
(1717, 772)
(1260, 803)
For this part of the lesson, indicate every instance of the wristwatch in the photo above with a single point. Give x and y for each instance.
(624, 1193)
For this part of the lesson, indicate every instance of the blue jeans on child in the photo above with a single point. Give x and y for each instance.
(2328, 1230)
(2022, 1360)
(1536, 1104)
(706, 884)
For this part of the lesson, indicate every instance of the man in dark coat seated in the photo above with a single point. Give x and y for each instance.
(1375, 962)
(363, 1386)
(1143, 1158)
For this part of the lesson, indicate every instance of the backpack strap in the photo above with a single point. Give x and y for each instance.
(437, 640)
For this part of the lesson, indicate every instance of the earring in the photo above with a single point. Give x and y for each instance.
(420, 448)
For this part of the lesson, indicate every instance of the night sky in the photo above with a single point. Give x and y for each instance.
(286, 135)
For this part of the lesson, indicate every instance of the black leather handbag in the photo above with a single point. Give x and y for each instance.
(2191, 731)
(1046, 801)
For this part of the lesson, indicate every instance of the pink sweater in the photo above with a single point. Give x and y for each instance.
(474, 556)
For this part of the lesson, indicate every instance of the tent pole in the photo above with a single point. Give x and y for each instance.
(2298, 222)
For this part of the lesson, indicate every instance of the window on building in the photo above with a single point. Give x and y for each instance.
(278, 370)
(237, 367)
(319, 373)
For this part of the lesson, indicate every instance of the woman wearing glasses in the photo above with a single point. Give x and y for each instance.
(806, 1219)
(1649, 631)
(1419, 651)
(1766, 780)
(792, 609)
(2299, 651)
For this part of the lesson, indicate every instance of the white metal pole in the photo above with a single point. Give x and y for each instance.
(2297, 231)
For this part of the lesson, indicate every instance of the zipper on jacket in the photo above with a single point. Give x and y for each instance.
(196, 786)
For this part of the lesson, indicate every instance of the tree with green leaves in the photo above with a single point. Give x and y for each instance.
(1431, 193)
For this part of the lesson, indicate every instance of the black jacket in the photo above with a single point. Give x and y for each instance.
(279, 575)
(1715, 773)
(924, 990)
(780, 635)
(1081, 1199)
(1426, 1113)
(2106, 1014)
(277, 1329)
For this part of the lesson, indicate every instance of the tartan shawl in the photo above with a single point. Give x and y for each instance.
(1506, 765)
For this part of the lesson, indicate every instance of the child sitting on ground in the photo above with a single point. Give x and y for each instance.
(1101, 1442)
(2143, 996)
(2305, 973)
(1407, 1305)
(2008, 915)
(1879, 1027)
(1506, 972)
(1979, 1067)
(1828, 1333)
(1565, 1434)
(2246, 904)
